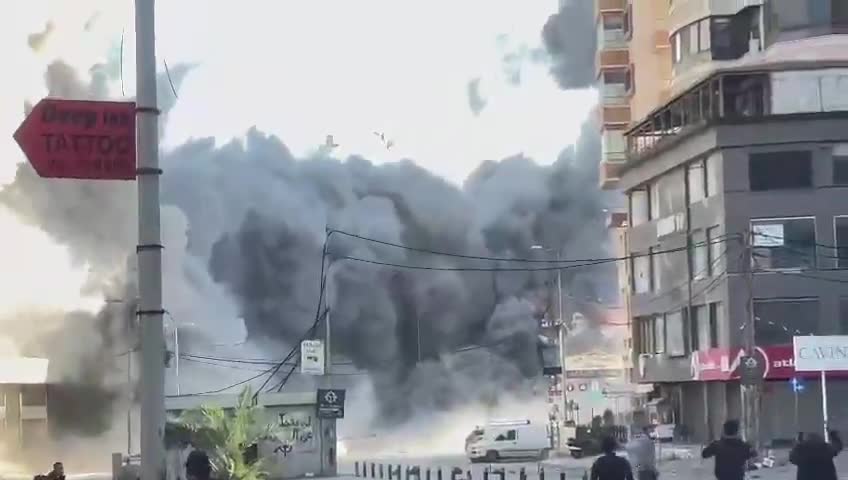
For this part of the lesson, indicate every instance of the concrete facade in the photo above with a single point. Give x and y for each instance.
(756, 90)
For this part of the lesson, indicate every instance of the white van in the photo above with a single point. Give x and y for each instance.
(508, 439)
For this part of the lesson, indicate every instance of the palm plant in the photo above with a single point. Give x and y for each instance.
(227, 435)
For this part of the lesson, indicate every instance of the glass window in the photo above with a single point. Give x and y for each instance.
(646, 334)
(715, 319)
(685, 42)
(700, 327)
(654, 198)
(613, 21)
(674, 332)
(696, 181)
(717, 248)
(713, 181)
(780, 170)
(777, 320)
(694, 34)
(656, 280)
(784, 243)
(840, 224)
(641, 273)
(843, 315)
(704, 33)
(700, 255)
(659, 334)
(672, 193)
(639, 209)
(840, 165)
(677, 48)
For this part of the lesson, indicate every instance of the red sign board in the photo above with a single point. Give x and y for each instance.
(80, 139)
(726, 364)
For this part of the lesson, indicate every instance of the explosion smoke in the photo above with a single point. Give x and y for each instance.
(255, 219)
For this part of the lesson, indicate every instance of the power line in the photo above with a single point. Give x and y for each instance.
(722, 238)
(470, 269)
(219, 390)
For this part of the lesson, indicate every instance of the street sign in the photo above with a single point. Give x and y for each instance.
(331, 403)
(80, 139)
(752, 370)
(797, 385)
(312, 357)
(821, 353)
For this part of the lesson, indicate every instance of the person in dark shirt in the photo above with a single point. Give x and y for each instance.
(814, 457)
(610, 466)
(198, 466)
(731, 453)
(58, 472)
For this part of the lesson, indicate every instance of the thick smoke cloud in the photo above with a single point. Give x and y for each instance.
(569, 37)
(248, 225)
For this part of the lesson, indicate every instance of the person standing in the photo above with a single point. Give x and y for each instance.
(610, 466)
(198, 466)
(731, 453)
(814, 457)
(643, 455)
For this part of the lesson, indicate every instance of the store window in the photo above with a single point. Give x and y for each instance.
(783, 243)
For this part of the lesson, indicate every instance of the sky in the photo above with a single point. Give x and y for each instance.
(303, 70)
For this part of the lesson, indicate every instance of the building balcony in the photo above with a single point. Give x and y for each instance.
(611, 5)
(614, 39)
(615, 116)
(607, 59)
(610, 173)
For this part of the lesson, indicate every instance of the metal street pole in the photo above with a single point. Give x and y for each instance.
(750, 398)
(562, 337)
(149, 250)
(177, 356)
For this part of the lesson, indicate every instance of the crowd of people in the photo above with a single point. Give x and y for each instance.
(812, 455)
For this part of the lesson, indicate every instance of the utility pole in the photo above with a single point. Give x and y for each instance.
(562, 336)
(149, 250)
(750, 393)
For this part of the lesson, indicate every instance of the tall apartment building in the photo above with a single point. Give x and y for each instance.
(746, 142)
(633, 72)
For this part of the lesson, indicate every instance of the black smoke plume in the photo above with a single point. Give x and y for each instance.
(569, 37)
(257, 221)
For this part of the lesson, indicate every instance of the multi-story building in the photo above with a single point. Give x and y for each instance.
(633, 71)
(737, 185)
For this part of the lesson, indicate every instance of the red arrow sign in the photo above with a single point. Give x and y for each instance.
(80, 139)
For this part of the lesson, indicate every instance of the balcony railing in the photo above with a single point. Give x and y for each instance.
(721, 97)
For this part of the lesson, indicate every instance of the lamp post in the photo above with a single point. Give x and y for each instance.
(561, 330)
